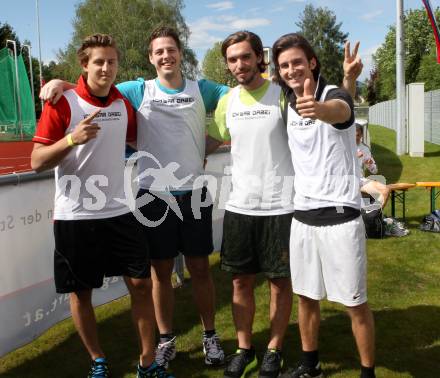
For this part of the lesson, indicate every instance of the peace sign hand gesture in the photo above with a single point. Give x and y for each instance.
(352, 62)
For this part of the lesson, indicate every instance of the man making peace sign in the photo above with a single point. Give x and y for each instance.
(327, 240)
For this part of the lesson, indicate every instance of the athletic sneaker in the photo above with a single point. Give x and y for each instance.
(395, 228)
(154, 371)
(304, 372)
(272, 364)
(99, 369)
(165, 352)
(242, 362)
(213, 351)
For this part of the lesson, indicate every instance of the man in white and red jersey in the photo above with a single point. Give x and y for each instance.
(83, 137)
(327, 244)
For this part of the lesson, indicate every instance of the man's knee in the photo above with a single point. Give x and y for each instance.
(243, 283)
(309, 303)
(198, 267)
(139, 286)
(360, 312)
(280, 286)
(81, 297)
(162, 270)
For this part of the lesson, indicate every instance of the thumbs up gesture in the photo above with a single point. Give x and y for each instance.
(306, 105)
(86, 129)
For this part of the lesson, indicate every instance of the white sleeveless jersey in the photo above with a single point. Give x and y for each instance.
(171, 127)
(262, 173)
(91, 177)
(324, 158)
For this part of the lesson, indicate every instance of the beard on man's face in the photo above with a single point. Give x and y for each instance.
(247, 79)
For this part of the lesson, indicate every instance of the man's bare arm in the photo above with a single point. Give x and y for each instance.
(352, 68)
(45, 157)
(53, 90)
(211, 145)
(331, 111)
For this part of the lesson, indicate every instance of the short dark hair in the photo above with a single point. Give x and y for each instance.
(95, 40)
(161, 32)
(294, 40)
(253, 39)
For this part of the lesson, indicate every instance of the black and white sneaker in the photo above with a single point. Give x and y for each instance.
(214, 354)
(304, 372)
(241, 363)
(272, 364)
(165, 352)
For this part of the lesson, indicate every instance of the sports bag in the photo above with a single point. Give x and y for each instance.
(373, 220)
(431, 222)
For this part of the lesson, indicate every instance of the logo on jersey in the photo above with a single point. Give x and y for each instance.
(251, 114)
(301, 122)
(171, 101)
(106, 116)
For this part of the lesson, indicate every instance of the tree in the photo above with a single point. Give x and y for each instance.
(214, 67)
(319, 27)
(429, 70)
(372, 90)
(130, 22)
(418, 44)
(6, 32)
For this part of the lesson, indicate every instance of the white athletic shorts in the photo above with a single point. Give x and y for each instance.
(329, 261)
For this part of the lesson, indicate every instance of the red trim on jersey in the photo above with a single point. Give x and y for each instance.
(83, 91)
(132, 125)
(54, 121)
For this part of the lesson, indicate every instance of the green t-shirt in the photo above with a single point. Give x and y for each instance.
(217, 129)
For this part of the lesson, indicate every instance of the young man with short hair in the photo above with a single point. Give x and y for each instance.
(327, 245)
(83, 137)
(171, 112)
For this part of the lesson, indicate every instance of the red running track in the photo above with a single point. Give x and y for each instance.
(15, 157)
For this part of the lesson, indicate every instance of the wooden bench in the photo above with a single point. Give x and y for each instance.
(398, 191)
(432, 186)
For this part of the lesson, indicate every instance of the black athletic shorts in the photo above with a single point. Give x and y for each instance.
(191, 236)
(253, 244)
(87, 250)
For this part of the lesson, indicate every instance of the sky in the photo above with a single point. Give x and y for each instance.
(209, 20)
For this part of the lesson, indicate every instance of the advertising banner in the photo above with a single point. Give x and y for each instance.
(28, 302)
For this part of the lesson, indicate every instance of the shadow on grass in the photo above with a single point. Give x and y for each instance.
(414, 221)
(432, 150)
(432, 154)
(389, 163)
(407, 341)
(118, 339)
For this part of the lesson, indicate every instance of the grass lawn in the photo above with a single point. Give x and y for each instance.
(404, 293)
